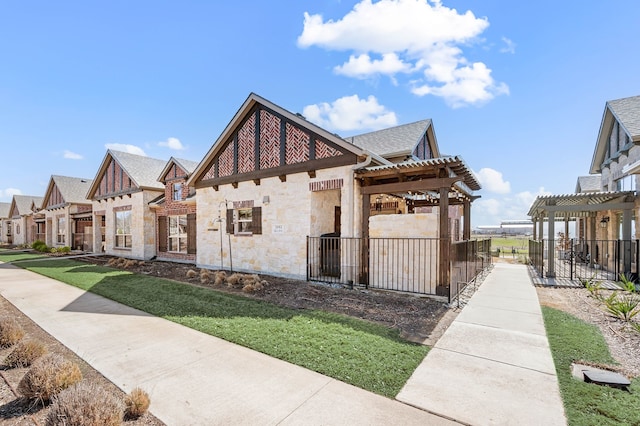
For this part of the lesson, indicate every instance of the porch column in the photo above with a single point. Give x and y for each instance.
(366, 206)
(551, 268)
(626, 240)
(442, 289)
(541, 228)
(592, 240)
(566, 228)
(535, 233)
(466, 232)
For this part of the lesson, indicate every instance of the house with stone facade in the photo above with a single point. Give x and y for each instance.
(23, 212)
(274, 183)
(605, 206)
(5, 224)
(68, 218)
(124, 224)
(175, 210)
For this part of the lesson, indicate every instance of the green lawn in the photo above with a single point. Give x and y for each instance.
(357, 352)
(587, 404)
(9, 256)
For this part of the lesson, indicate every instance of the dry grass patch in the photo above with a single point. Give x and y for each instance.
(85, 404)
(25, 353)
(10, 332)
(136, 403)
(48, 376)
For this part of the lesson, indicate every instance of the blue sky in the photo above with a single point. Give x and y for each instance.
(517, 88)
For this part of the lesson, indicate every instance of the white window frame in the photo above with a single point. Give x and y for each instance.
(123, 229)
(242, 220)
(176, 192)
(178, 234)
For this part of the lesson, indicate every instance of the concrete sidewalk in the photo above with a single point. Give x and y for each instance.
(193, 378)
(493, 365)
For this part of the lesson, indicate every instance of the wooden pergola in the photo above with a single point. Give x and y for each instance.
(570, 207)
(438, 182)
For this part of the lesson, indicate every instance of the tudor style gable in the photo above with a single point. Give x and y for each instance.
(264, 140)
(113, 180)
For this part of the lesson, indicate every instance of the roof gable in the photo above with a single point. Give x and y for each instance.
(620, 127)
(4, 210)
(591, 183)
(177, 167)
(124, 173)
(64, 189)
(21, 205)
(413, 140)
(264, 140)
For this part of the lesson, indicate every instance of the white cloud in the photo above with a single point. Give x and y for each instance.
(414, 37)
(350, 113)
(7, 194)
(509, 46)
(363, 66)
(492, 181)
(131, 149)
(71, 155)
(491, 211)
(172, 143)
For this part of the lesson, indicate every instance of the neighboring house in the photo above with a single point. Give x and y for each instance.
(23, 225)
(272, 179)
(176, 213)
(605, 212)
(123, 222)
(5, 224)
(68, 220)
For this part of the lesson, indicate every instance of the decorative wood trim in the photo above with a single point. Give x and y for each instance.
(235, 185)
(283, 178)
(312, 174)
(256, 182)
(325, 185)
(325, 163)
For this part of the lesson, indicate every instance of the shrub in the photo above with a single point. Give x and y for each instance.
(221, 277)
(38, 244)
(234, 279)
(85, 404)
(48, 376)
(65, 249)
(191, 273)
(624, 307)
(25, 353)
(248, 288)
(10, 332)
(136, 403)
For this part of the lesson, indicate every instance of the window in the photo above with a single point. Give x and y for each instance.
(244, 221)
(627, 183)
(177, 192)
(123, 229)
(61, 231)
(178, 233)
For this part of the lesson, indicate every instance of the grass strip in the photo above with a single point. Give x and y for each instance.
(363, 354)
(10, 256)
(586, 404)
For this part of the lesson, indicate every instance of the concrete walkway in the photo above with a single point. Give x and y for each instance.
(193, 378)
(493, 365)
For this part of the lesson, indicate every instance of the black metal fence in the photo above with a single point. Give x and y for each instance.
(468, 260)
(578, 259)
(399, 264)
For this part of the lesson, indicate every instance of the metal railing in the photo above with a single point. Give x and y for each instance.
(398, 264)
(578, 259)
(468, 260)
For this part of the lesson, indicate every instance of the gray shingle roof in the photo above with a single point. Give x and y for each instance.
(144, 171)
(23, 203)
(4, 210)
(188, 165)
(592, 183)
(399, 140)
(627, 111)
(73, 190)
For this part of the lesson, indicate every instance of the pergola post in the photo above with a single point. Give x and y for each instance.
(535, 233)
(592, 238)
(626, 238)
(466, 231)
(541, 228)
(366, 211)
(551, 268)
(442, 289)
